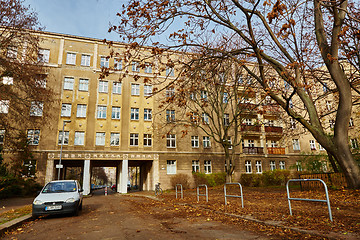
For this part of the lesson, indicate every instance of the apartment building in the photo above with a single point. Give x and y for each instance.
(115, 121)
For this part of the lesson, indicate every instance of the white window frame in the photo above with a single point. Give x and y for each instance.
(147, 140)
(248, 168)
(134, 114)
(79, 138)
(351, 122)
(134, 139)
(298, 166)
(292, 123)
(68, 83)
(203, 95)
(296, 144)
(207, 167)
(147, 90)
(85, 60)
(195, 165)
(312, 144)
(282, 165)
(66, 137)
(226, 119)
(147, 114)
(104, 62)
(170, 167)
(44, 55)
(114, 139)
(2, 136)
(101, 112)
(81, 111)
(100, 139)
(170, 72)
(225, 97)
(116, 113)
(171, 141)
(117, 64)
(7, 80)
(66, 110)
(70, 58)
(354, 143)
(4, 106)
(205, 118)
(170, 115)
(258, 166)
(135, 89)
(206, 142)
(169, 92)
(33, 136)
(117, 87)
(195, 141)
(36, 109)
(148, 68)
(135, 66)
(272, 165)
(84, 84)
(103, 86)
(12, 52)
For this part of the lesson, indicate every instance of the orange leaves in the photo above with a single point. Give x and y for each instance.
(277, 10)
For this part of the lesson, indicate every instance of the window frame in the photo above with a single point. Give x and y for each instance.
(81, 110)
(134, 139)
(114, 139)
(33, 137)
(101, 112)
(195, 165)
(100, 138)
(115, 112)
(207, 167)
(69, 83)
(71, 58)
(85, 60)
(134, 114)
(66, 112)
(170, 140)
(195, 142)
(82, 83)
(79, 138)
(117, 88)
(170, 167)
(147, 114)
(147, 140)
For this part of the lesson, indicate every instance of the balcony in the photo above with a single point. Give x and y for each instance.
(248, 107)
(276, 150)
(272, 129)
(250, 128)
(271, 110)
(253, 150)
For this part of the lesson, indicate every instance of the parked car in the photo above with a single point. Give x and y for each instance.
(58, 197)
(113, 187)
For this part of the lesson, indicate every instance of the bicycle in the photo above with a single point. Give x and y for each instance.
(158, 190)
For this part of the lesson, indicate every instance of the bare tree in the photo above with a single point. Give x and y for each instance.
(23, 92)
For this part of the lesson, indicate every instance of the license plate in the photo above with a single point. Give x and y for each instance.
(55, 207)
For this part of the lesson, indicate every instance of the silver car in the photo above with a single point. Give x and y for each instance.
(58, 197)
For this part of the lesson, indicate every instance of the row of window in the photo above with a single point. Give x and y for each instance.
(171, 166)
(331, 123)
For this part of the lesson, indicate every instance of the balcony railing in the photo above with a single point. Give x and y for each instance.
(276, 150)
(250, 128)
(274, 129)
(253, 150)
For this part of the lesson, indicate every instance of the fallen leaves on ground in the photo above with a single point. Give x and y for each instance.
(13, 214)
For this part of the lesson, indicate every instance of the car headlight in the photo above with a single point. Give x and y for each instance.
(70, 200)
(38, 202)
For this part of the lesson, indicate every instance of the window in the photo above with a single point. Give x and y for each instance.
(117, 64)
(115, 113)
(85, 60)
(291, 105)
(103, 86)
(225, 97)
(12, 52)
(270, 123)
(194, 118)
(272, 165)
(195, 165)
(230, 142)
(100, 139)
(170, 72)
(298, 166)
(205, 118)
(171, 167)
(292, 123)
(117, 87)
(79, 138)
(286, 85)
(68, 83)
(2, 136)
(248, 167)
(170, 140)
(351, 122)
(296, 144)
(101, 112)
(36, 108)
(170, 116)
(29, 167)
(134, 114)
(354, 143)
(135, 67)
(192, 96)
(251, 143)
(312, 144)
(226, 119)
(258, 167)
(44, 55)
(321, 148)
(134, 139)
(148, 68)
(71, 58)
(84, 84)
(40, 81)
(66, 137)
(4, 106)
(170, 92)
(135, 89)
(248, 121)
(8, 80)
(331, 123)
(207, 166)
(33, 136)
(114, 139)
(147, 140)
(325, 89)
(282, 165)
(273, 143)
(203, 95)
(81, 111)
(147, 114)
(66, 110)
(104, 62)
(147, 90)
(206, 142)
(195, 141)
(328, 105)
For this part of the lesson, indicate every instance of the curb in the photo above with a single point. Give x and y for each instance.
(13, 223)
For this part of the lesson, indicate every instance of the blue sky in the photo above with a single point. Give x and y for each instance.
(88, 18)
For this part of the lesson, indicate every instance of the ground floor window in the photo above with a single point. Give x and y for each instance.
(272, 165)
(195, 166)
(171, 166)
(29, 168)
(282, 165)
(207, 166)
(248, 167)
(258, 167)
(298, 166)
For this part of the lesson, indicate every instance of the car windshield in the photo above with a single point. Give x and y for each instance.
(55, 187)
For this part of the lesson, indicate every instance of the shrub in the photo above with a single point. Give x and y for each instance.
(251, 180)
(11, 186)
(211, 180)
(276, 177)
(180, 178)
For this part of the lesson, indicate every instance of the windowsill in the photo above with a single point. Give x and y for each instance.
(116, 119)
(147, 146)
(147, 120)
(72, 64)
(134, 120)
(170, 147)
(116, 93)
(83, 90)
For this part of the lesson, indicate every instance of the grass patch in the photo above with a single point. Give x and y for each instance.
(15, 213)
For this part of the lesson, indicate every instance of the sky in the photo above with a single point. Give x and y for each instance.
(87, 18)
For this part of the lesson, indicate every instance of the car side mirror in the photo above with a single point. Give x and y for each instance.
(81, 190)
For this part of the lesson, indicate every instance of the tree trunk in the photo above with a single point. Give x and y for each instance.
(332, 162)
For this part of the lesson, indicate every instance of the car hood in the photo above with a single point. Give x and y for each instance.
(57, 197)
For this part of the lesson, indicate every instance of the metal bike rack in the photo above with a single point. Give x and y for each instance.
(236, 196)
(198, 194)
(181, 189)
(306, 199)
